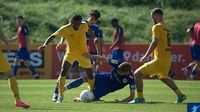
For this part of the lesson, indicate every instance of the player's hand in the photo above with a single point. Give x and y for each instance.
(41, 48)
(77, 99)
(87, 55)
(143, 59)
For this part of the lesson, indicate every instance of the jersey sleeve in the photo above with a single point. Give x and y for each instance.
(60, 32)
(155, 32)
(25, 30)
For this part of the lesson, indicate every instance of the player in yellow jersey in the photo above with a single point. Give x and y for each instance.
(6, 69)
(74, 34)
(160, 65)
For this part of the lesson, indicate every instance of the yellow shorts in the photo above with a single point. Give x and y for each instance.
(156, 67)
(4, 64)
(83, 62)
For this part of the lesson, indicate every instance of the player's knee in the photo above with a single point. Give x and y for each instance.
(137, 74)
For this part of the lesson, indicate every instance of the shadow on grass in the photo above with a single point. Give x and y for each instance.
(153, 102)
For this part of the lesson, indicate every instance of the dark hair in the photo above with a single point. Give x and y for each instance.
(76, 17)
(95, 13)
(114, 21)
(157, 11)
(20, 17)
(125, 67)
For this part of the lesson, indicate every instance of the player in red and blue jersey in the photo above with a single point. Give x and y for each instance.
(23, 45)
(118, 40)
(106, 83)
(194, 33)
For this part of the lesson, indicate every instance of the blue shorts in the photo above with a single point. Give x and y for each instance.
(195, 51)
(23, 54)
(101, 87)
(117, 55)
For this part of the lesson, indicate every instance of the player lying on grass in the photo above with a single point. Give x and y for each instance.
(106, 83)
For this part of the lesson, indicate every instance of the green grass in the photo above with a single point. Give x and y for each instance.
(38, 93)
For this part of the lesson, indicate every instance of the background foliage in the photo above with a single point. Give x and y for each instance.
(46, 16)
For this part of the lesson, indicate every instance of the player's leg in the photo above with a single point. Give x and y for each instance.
(16, 66)
(149, 68)
(86, 65)
(194, 70)
(196, 57)
(188, 68)
(26, 57)
(6, 69)
(17, 60)
(170, 83)
(74, 84)
(61, 79)
(32, 69)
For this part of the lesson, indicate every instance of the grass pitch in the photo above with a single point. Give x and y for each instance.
(159, 98)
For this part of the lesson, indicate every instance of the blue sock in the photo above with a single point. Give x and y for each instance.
(32, 70)
(15, 68)
(75, 83)
(193, 72)
(71, 85)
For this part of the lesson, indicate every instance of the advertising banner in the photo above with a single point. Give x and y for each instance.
(181, 57)
(40, 61)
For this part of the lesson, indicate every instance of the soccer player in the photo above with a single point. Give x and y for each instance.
(160, 65)
(118, 40)
(94, 46)
(74, 33)
(6, 69)
(106, 83)
(23, 44)
(194, 33)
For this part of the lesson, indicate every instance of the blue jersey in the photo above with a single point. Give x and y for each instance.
(95, 29)
(109, 82)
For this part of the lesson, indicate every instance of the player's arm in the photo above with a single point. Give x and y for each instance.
(119, 32)
(151, 48)
(190, 30)
(58, 33)
(60, 44)
(14, 38)
(49, 39)
(132, 90)
(129, 98)
(99, 57)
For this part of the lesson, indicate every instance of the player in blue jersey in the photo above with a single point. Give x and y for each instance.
(106, 83)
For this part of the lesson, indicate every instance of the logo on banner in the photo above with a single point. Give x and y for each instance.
(193, 107)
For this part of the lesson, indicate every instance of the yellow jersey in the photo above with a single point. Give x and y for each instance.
(75, 39)
(163, 49)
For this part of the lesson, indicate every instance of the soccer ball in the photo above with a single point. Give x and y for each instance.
(86, 96)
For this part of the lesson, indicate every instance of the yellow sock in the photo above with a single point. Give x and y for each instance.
(14, 87)
(140, 94)
(61, 85)
(178, 92)
(91, 83)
